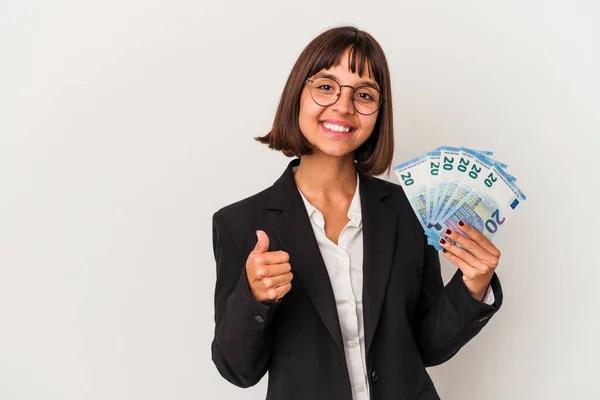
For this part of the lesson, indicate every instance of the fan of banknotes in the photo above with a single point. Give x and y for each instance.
(450, 184)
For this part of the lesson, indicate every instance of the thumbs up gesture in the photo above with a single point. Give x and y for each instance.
(268, 272)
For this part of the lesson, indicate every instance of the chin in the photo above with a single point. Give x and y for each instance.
(334, 151)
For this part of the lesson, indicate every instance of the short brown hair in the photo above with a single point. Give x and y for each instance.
(374, 157)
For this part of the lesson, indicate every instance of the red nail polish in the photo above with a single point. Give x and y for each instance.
(461, 223)
(448, 232)
(442, 241)
(444, 250)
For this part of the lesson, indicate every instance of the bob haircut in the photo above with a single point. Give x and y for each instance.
(374, 157)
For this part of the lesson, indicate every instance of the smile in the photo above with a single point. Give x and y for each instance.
(336, 131)
(336, 128)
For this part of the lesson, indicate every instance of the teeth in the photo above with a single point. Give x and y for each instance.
(336, 128)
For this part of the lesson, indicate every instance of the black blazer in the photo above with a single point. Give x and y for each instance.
(411, 320)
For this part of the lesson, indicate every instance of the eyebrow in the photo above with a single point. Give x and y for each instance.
(360, 83)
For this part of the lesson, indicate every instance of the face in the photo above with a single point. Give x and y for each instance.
(321, 126)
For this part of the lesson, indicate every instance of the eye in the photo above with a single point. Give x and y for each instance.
(366, 94)
(325, 87)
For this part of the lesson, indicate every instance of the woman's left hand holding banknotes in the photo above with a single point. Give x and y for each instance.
(476, 257)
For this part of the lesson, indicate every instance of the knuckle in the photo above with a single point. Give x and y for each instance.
(268, 282)
(469, 245)
(272, 294)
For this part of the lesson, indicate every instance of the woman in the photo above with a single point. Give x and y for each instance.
(325, 279)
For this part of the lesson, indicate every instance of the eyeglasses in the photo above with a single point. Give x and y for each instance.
(326, 91)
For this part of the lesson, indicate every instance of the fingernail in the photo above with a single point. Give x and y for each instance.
(461, 223)
(448, 232)
(444, 250)
(442, 241)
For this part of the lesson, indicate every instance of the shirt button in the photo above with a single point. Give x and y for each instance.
(353, 344)
(351, 304)
(260, 319)
(361, 388)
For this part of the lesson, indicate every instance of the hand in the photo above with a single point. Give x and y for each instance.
(268, 272)
(477, 259)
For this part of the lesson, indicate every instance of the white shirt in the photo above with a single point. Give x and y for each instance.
(344, 262)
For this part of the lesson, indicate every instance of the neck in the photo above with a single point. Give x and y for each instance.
(326, 176)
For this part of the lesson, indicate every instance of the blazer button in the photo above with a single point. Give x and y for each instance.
(374, 375)
(260, 319)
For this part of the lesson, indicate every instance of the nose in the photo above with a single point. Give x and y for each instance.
(344, 102)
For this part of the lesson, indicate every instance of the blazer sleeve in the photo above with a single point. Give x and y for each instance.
(242, 341)
(448, 317)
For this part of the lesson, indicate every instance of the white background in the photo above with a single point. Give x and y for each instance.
(124, 125)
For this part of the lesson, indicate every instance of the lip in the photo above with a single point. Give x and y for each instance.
(335, 134)
(339, 122)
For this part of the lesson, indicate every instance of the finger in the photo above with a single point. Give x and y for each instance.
(272, 257)
(276, 281)
(465, 256)
(262, 243)
(272, 270)
(470, 246)
(279, 292)
(479, 238)
(468, 271)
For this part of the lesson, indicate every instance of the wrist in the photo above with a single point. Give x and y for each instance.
(477, 289)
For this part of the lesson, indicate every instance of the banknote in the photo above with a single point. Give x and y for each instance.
(413, 176)
(413, 179)
(450, 183)
(433, 161)
(460, 165)
(487, 208)
(447, 179)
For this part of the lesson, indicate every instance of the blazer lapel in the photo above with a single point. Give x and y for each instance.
(294, 231)
(379, 238)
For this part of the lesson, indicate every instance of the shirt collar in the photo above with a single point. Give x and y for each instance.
(354, 211)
